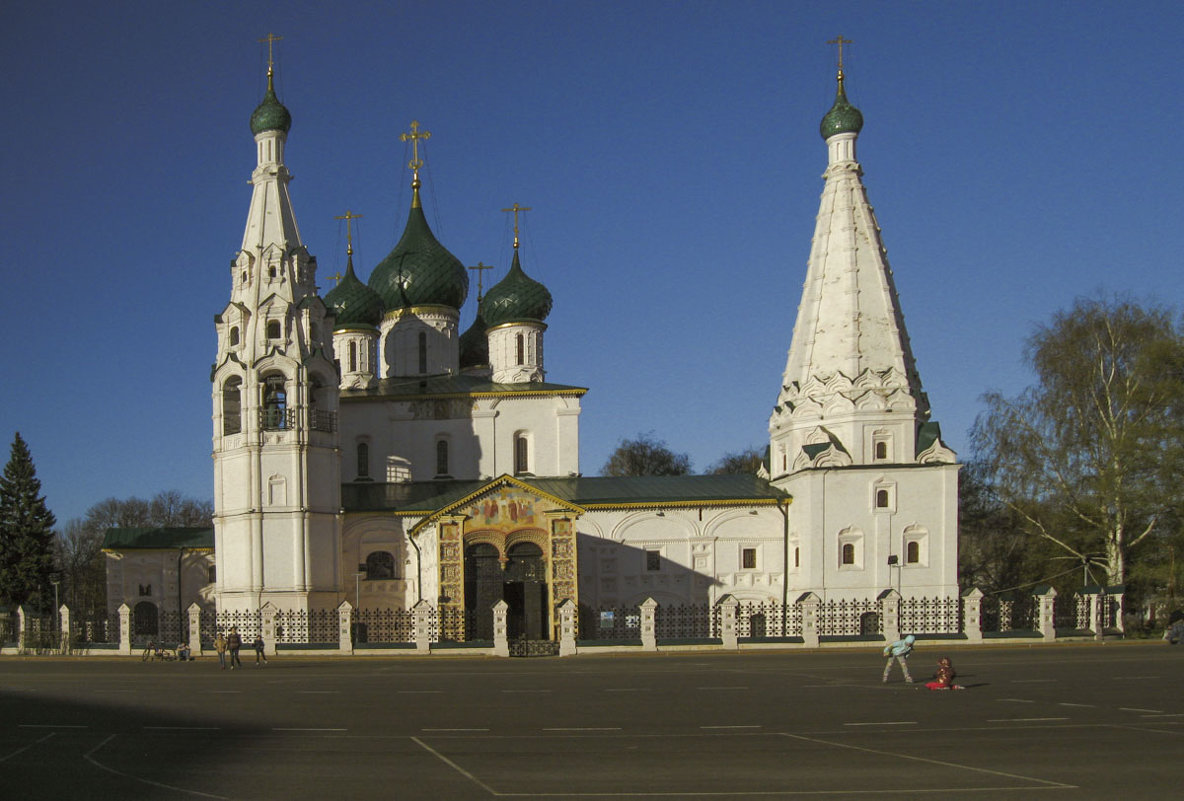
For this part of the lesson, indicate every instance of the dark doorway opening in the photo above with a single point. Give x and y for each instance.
(526, 593)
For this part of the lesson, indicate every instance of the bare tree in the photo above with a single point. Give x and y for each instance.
(646, 456)
(746, 462)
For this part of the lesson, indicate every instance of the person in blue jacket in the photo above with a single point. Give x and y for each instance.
(899, 651)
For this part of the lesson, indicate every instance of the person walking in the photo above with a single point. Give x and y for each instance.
(899, 651)
(220, 650)
(259, 655)
(234, 641)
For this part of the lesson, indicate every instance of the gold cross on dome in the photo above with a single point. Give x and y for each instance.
(480, 268)
(840, 41)
(349, 217)
(271, 39)
(516, 208)
(336, 277)
(414, 138)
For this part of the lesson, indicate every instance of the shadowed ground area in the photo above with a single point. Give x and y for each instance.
(1070, 721)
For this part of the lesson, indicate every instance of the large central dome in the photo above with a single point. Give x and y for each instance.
(420, 271)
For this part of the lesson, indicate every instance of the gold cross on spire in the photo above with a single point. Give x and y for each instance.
(480, 268)
(414, 138)
(349, 216)
(271, 39)
(516, 208)
(336, 277)
(840, 41)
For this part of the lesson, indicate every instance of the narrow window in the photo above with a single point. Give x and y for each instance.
(271, 271)
(275, 402)
(273, 329)
(748, 558)
(353, 357)
(363, 460)
(234, 336)
(848, 554)
(521, 348)
(211, 574)
(881, 450)
(442, 457)
(423, 352)
(797, 557)
(653, 560)
(912, 553)
(521, 462)
(882, 499)
(232, 417)
(244, 276)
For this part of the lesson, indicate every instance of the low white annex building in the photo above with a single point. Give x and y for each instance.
(366, 450)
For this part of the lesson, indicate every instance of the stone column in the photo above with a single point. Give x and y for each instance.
(1116, 592)
(567, 628)
(890, 614)
(810, 604)
(22, 623)
(728, 605)
(972, 614)
(194, 628)
(64, 630)
(649, 625)
(1046, 618)
(345, 619)
(267, 623)
(423, 626)
(125, 629)
(501, 639)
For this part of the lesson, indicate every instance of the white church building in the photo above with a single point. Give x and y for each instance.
(367, 450)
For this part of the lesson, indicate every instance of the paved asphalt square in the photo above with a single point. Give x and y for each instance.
(1088, 721)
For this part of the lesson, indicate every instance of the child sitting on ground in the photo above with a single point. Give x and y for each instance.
(944, 680)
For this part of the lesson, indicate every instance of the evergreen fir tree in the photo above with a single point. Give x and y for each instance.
(26, 530)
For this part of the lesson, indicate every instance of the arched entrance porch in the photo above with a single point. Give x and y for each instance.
(519, 577)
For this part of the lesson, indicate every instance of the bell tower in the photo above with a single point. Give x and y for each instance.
(275, 400)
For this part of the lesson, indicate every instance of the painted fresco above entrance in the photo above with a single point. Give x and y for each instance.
(505, 510)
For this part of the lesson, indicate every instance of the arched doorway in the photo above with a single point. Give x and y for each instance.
(145, 619)
(526, 592)
(483, 589)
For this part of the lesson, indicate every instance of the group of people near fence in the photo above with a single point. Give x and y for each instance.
(227, 649)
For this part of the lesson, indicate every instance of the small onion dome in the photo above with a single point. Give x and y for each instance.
(474, 345)
(420, 271)
(517, 298)
(270, 115)
(353, 303)
(842, 117)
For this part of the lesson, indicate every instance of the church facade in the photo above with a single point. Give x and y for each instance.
(366, 450)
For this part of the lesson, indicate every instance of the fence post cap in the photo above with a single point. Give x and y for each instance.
(809, 598)
(973, 593)
(649, 603)
(344, 606)
(728, 600)
(888, 595)
(501, 606)
(422, 603)
(123, 607)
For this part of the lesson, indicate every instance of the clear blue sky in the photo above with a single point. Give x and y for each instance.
(1019, 154)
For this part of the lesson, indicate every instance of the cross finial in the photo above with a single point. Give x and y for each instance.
(414, 138)
(271, 39)
(336, 277)
(840, 41)
(349, 216)
(480, 268)
(516, 208)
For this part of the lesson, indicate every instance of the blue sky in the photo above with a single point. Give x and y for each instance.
(1018, 154)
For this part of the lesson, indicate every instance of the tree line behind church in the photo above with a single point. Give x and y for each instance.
(1076, 480)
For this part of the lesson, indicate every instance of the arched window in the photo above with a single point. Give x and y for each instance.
(442, 457)
(271, 269)
(275, 402)
(145, 619)
(521, 454)
(882, 499)
(363, 460)
(912, 552)
(881, 450)
(232, 406)
(273, 329)
(234, 336)
(848, 554)
(520, 345)
(353, 357)
(380, 565)
(423, 352)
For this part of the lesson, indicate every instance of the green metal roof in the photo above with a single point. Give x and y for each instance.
(440, 386)
(133, 539)
(270, 115)
(353, 303)
(589, 492)
(419, 271)
(842, 117)
(516, 298)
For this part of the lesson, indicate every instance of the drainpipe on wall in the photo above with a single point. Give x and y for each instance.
(418, 569)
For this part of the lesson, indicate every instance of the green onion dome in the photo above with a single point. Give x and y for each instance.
(353, 303)
(270, 115)
(842, 117)
(420, 271)
(517, 298)
(474, 344)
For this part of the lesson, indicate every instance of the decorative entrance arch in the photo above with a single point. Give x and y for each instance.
(519, 577)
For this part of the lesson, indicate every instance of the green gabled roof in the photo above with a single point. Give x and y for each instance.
(454, 386)
(139, 539)
(599, 492)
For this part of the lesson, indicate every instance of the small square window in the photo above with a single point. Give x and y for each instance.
(748, 558)
(653, 560)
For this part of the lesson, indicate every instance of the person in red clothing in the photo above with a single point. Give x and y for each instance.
(944, 680)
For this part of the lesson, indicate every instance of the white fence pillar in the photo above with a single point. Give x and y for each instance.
(972, 614)
(125, 629)
(267, 624)
(194, 612)
(1114, 596)
(64, 629)
(501, 638)
(423, 626)
(890, 614)
(567, 628)
(810, 604)
(649, 625)
(1046, 616)
(22, 630)
(345, 624)
(728, 607)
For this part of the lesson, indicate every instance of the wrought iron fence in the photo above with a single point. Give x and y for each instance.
(610, 623)
(1003, 613)
(303, 626)
(849, 618)
(930, 615)
(101, 627)
(684, 622)
(384, 625)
